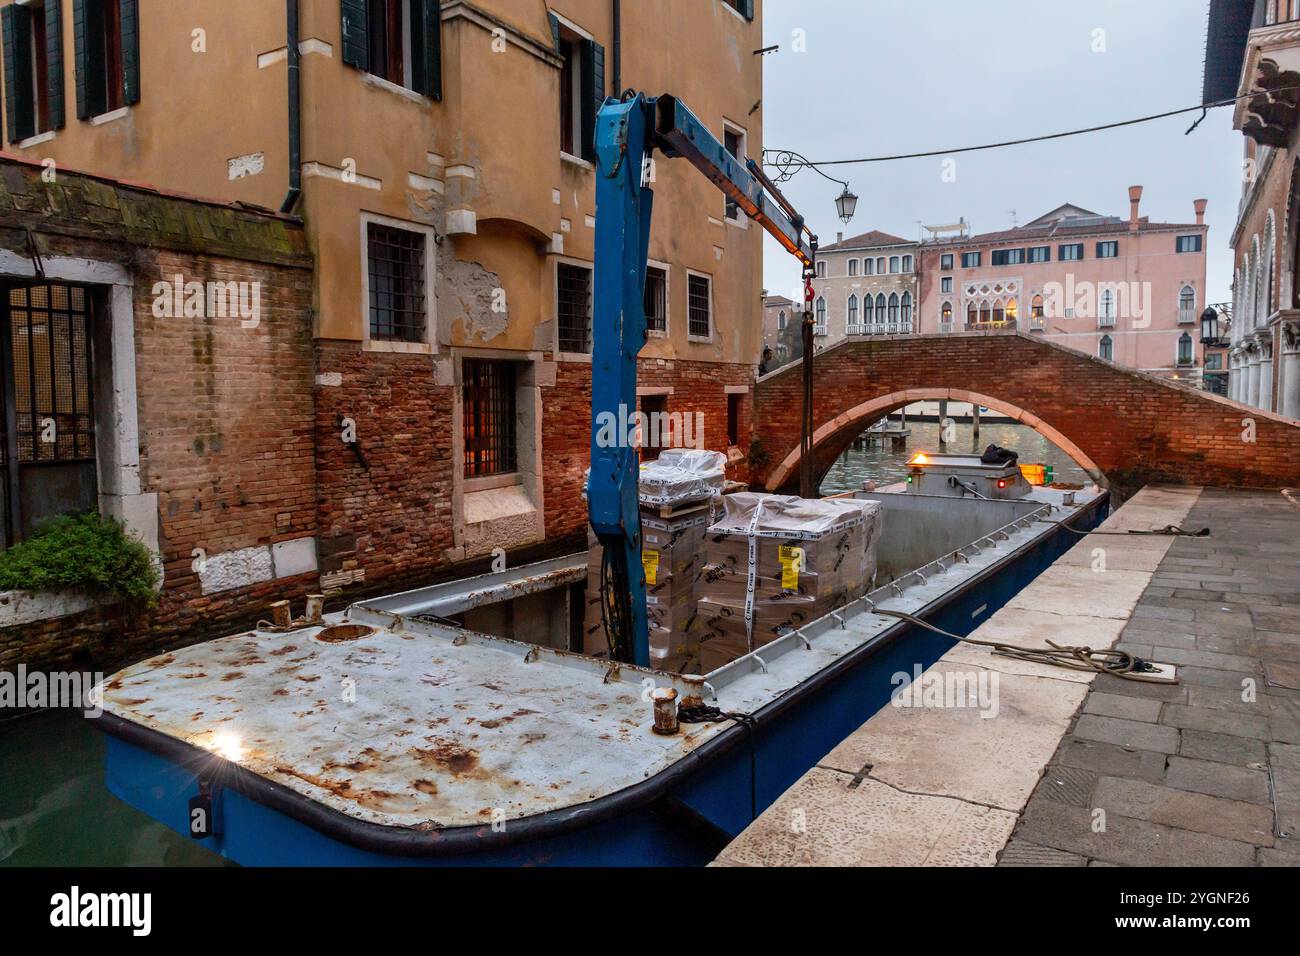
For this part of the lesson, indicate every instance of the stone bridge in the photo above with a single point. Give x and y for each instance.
(1127, 428)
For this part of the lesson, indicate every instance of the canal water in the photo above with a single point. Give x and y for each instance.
(885, 465)
(54, 808)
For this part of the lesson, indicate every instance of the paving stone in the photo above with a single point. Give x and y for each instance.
(1284, 756)
(1223, 662)
(1282, 673)
(1129, 708)
(1224, 748)
(1113, 761)
(1109, 684)
(1185, 810)
(1279, 856)
(1023, 853)
(1209, 677)
(1216, 721)
(1218, 780)
(1127, 841)
(1072, 785)
(1128, 733)
(1229, 698)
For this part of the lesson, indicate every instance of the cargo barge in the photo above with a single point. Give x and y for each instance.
(397, 732)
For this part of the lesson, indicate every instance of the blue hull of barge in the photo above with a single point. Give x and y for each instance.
(690, 828)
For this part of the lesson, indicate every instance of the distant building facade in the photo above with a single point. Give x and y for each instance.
(1128, 291)
(781, 318)
(865, 285)
(1253, 52)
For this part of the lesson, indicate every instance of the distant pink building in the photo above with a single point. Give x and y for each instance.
(1129, 291)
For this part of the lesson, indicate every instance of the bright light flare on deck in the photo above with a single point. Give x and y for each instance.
(920, 459)
(227, 744)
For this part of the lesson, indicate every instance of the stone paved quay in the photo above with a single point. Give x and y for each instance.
(1191, 774)
(1205, 772)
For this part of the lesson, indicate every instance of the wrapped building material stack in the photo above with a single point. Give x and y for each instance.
(678, 493)
(775, 562)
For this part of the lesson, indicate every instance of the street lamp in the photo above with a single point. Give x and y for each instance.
(845, 204)
(1209, 326)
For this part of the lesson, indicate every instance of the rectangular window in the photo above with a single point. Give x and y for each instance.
(744, 7)
(734, 142)
(573, 306)
(821, 268)
(1040, 254)
(1107, 250)
(945, 261)
(1188, 244)
(654, 436)
(945, 284)
(108, 61)
(582, 89)
(656, 299)
(1008, 257)
(399, 41)
(970, 260)
(1071, 252)
(733, 418)
(699, 293)
(33, 57)
(47, 420)
(488, 418)
(868, 267)
(853, 267)
(395, 259)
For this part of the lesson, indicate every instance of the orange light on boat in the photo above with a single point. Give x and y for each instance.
(920, 459)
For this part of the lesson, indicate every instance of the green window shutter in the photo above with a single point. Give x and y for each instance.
(130, 20)
(593, 94)
(747, 9)
(426, 49)
(54, 58)
(81, 57)
(17, 43)
(356, 34)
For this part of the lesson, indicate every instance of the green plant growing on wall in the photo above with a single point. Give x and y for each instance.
(84, 550)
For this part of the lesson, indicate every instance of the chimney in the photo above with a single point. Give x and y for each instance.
(1199, 206)
(839, 237)
(1134, 197)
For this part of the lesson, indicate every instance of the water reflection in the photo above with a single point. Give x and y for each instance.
(884, 465)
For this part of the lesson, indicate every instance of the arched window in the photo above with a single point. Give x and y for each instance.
(1187, 304)
(853, 310)
(880, 266)
(1106, 348)
(780, 319)
(907, 263)
(999, 313)
(853, 267)
(972, 314)
(945, 314)
(1036, 307)
(1013, 309)
(1184, 349)
(867, 310)
(907, 307)
(821, 312)
(986, 313)
(893, 308)
(868, 267)
(1107, 302)
(880, 308)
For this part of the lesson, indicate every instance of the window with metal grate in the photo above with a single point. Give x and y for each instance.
(573, 306)
(489, 418)
(397, 294)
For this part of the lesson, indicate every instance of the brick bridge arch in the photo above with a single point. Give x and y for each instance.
(1124, 427)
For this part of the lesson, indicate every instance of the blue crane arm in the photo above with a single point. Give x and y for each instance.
(627, 133)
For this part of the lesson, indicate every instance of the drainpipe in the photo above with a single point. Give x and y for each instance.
(618, 47)
(295, 109)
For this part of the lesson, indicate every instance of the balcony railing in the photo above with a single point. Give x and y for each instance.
(1281, 11)
(1106, 321)
(990, 325)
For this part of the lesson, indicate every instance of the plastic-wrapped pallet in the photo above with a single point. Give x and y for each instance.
(682, 475)
(775, 562)
(671, 556)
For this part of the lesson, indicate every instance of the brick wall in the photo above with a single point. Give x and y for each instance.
(1135, 428)
(395, 517)
(697, 387)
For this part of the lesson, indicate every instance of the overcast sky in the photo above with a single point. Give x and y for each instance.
(900, 76)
